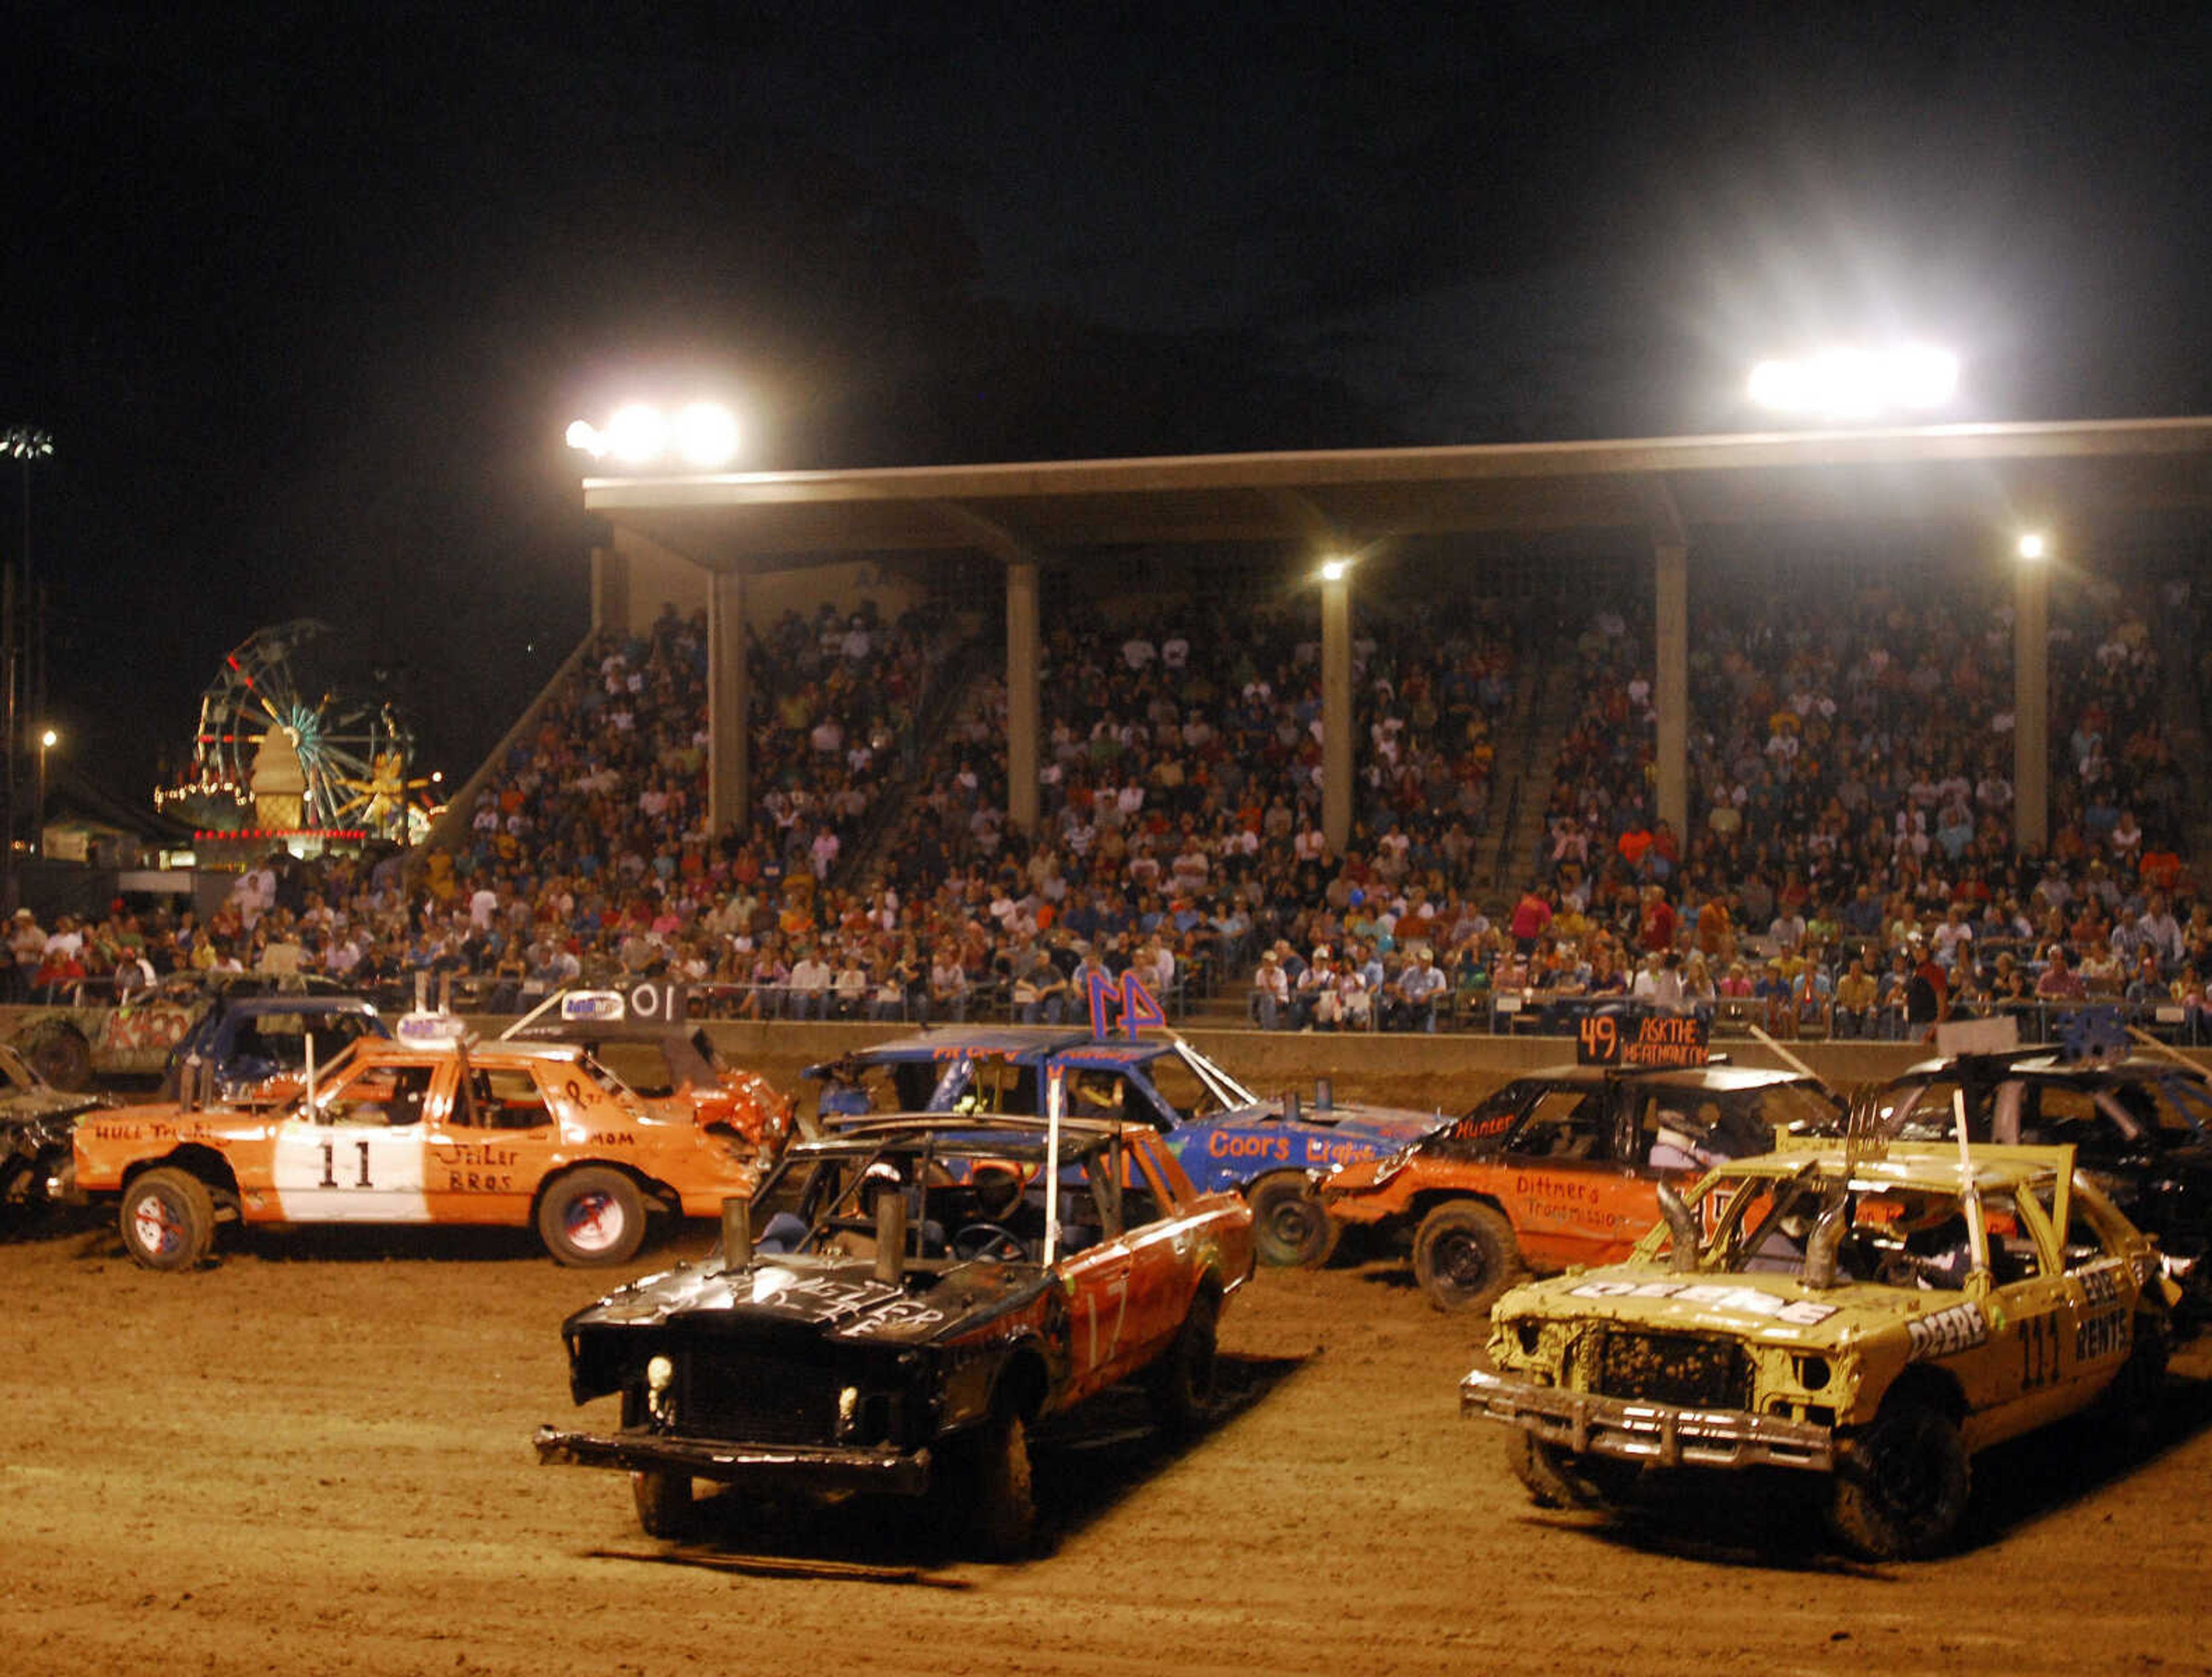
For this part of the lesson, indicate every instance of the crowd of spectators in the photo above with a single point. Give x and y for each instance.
(1850, 869)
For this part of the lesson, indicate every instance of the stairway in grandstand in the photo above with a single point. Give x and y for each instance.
(948, 704)
(2183, 715)
(1531, 744)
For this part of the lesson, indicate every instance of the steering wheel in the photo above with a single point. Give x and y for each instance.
(989, 1240)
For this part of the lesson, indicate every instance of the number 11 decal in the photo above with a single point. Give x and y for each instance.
(330, 1174)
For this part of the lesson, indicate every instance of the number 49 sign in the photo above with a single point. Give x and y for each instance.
(1127, 1000)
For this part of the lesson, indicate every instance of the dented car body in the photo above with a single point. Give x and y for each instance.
(1877, 1319)
(37, 1122)
(1223, 1134)
(437, 1131)
(933, 1290)
(1561, 1166)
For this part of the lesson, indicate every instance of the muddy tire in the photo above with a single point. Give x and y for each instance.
(1182, 1384)
(1901, 1490)
(167, 1220)
(1465, 1256)
(592, 1218)
(1001, 1511)
(64, 1059)
(1556, 1478)
(664, 1502)
(2132, 1402)
(1288, 1225)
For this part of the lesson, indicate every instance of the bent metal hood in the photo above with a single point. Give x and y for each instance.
(831, 1299)
(1772, 1307)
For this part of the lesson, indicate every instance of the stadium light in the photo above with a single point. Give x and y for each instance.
(1335, 570)
(2034, 546)
(48, 739)
(702, 435)
(1856, 384)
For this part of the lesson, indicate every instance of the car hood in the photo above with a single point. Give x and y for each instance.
(1778, 1308)
(1392, 1126)
(840, 1297)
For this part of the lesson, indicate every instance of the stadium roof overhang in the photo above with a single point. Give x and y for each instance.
(2076, 475)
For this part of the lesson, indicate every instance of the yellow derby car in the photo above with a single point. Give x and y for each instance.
(429, 1129)
(1877, 1316)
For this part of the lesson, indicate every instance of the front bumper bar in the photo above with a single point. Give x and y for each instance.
(1663, 1435)
(826, 1467)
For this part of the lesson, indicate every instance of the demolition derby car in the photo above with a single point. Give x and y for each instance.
(936, 1288)
(257, 1048)
(36, 1122)
(1876, 1320)
(666, 1059)
(1562, 1167)
(93, 1035)
(1223, 1134)
(2137, 1123)
(428, 1129)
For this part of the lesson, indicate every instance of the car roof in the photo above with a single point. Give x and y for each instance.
(603, 1031)
(1006, 1043)
(1572, 1072)
(481, 1054)
(995, 1133)
(2043, 1066)
(258, 1005)
(1909, 1164)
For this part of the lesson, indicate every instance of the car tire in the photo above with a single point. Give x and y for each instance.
(664, 1502)
(592, 1218)
(64, 1059)
(1181, 1385)
(2132, 1401)
(1556, 1478)
(1002, 1509)
(167, 1220)
(1465, 1256)
(1288, 1225)
(1902, 1488)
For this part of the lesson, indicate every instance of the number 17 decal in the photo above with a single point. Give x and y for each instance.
(1127, 1000)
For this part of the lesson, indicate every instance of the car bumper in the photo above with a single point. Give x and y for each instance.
(1661, 1434)
(894, 1472)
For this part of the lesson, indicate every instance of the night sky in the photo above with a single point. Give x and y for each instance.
(307, 295)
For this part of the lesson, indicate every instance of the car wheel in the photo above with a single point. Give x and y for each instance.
(1558, 1478)
(592, 1218)
(2132, 1400)
(167, 1220)
(1901, 1489)
(1288, 1225)
(1464, 1256)
(1001, 1512)
(1181, 1385)
(664, 1502)
(64, 1059)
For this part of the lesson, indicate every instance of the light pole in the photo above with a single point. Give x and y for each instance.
(25, 444)
(47, 740)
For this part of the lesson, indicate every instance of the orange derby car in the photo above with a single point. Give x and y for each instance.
(506, 1133)
(1561, 1167)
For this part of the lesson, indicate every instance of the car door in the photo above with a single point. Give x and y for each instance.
(1570, 1203)
(2033, 1327)
(356, 1154)
(486, 1146)
(1097, 1281)
(1158, 1238)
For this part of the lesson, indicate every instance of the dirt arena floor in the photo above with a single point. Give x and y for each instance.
(314, 1457)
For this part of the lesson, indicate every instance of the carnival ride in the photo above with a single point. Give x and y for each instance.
(327, 762)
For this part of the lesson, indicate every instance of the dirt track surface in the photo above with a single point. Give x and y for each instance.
(315, 1457)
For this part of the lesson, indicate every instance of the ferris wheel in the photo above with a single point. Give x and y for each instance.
(301, 755)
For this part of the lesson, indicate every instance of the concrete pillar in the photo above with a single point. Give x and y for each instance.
(610, 591)
(1022, 681)
(2031, 704)
(729, 749)
(1671, 683)
(1336, 754)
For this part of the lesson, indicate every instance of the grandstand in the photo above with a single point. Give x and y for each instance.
(1566, 750)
